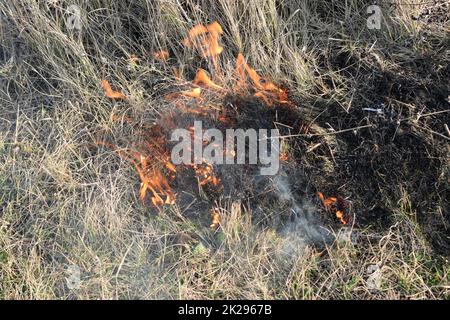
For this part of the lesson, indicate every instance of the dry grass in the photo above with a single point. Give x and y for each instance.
(64, 203)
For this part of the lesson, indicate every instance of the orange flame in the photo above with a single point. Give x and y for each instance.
(110, 93)
(205, 39)
(202, 79)
(194, 93)
(152, 179)
(216, 219)
(240, 72)
(332, 204)
(156, 171)
(265, 90)
(205, 174)
(340, 216)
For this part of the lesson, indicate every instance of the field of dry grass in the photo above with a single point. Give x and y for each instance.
(65, 202)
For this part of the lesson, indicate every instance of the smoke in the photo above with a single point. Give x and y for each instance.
(304, 227)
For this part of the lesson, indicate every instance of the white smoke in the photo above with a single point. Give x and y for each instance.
(304, 228)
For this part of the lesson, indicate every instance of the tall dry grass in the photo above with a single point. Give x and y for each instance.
(64, 204)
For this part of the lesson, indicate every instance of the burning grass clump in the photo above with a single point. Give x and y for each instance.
(358, 168)
(249, 102)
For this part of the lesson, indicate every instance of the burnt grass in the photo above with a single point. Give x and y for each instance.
(370, 159)
(368, 168)
(373, 166)
(396, 153)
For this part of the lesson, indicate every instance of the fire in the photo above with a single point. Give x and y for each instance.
(336, 205)
(150, 156)
(110, 93)
(158, 185)
(202, 79)
(194, 93)
(240, 72)
(205, 39)
(265, 90)
(152, 178)
(258, 81)
(205, 174)
(216, 219)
